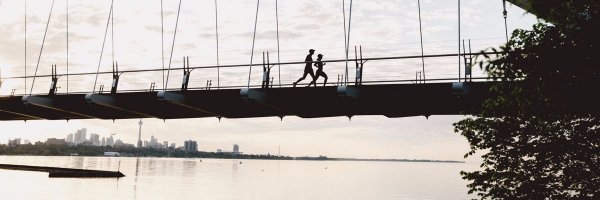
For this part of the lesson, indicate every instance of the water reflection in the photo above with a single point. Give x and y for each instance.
(77, 162)
(135, 182)
(234, 169)
(176, 178)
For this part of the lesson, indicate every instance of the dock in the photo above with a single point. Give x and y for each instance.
(57, 172)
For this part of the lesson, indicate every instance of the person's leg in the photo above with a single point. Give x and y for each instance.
(314, 78)
(301, 78)
(324, 76)
(314, 81)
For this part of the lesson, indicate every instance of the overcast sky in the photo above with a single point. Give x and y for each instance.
(383, 28)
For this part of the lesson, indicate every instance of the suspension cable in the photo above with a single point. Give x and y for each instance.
(41, 48)
(103, 43)
(345, 37)
(217, 35)
(458, 41)
(505, 14)
(162, 42)
(173, 45)
(348, 43)
(25, 59)
(278, 58)
(67, 46)
(253, 40)
(112, 33)
(421, 35)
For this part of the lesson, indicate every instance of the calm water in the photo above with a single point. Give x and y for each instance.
(174, 178)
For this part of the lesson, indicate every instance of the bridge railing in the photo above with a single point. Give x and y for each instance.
(377, 70)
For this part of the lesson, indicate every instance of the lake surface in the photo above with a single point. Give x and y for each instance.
(178, 178)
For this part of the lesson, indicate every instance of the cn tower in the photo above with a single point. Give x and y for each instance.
(139, 145)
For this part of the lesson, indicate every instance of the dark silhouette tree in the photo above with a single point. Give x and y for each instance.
(537, 143)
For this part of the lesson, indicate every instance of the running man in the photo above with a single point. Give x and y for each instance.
(308, 67)
(319, 64)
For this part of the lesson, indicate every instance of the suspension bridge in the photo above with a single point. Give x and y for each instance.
(345, 96)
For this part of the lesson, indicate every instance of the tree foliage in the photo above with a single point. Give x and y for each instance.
(533, 145)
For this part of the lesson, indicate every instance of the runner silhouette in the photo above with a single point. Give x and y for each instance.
(308, 67)
(319, 64)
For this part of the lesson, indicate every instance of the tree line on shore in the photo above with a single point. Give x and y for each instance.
(81, 150)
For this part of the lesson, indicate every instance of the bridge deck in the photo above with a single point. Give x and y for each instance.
(398, 100)
(393, 100)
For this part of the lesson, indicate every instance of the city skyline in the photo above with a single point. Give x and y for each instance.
(79, 138)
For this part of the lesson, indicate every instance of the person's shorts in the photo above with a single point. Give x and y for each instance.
(309, 70)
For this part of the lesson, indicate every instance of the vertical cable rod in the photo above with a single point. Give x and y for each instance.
(103, 43)
(253, 40)
(173, 46)
(421, 35)
(41, 48)
(162, 42)
(278, 58)
(112, 32)
(25, 59)
(345, 36)
(458, 40)
(349, 31)
(217, 35)
(67, 46)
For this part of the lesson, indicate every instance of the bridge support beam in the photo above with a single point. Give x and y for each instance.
(17, 116)
(182, 100)
(112, 102)
(49, 103)
(253, 95)
(348, 91)
(461, 88)
(259, 97)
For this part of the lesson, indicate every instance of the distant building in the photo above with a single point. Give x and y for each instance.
(219, 151)
(80, 136)
(70, 138)
(165, 144)
(14, 142)
(26, 141)
(54, 141)
(95, 139)
(190, 145)
(110, 141)
(153, 143)
(103, 142)
(173, 146)
(236, 149)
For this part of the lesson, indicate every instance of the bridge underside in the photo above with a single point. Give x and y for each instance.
(401, 100)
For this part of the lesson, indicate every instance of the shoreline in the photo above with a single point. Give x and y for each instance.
(288, 159)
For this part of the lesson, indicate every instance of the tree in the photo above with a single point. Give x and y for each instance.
(536, 143)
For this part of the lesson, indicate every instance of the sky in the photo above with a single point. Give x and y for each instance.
(383, 28)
